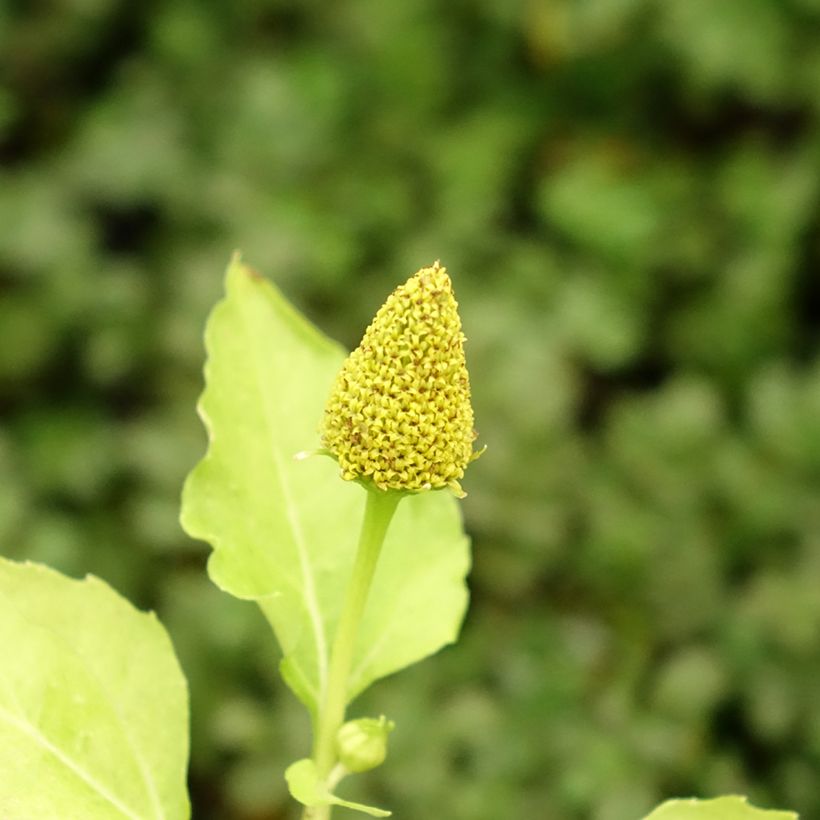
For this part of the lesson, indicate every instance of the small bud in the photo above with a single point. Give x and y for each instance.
(362, 744)
(399, 414)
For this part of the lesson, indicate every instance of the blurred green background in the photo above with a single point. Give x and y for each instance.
(626, 195)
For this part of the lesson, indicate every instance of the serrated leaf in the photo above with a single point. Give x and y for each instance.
(732, 807)
(93, 704)
(304, 786)
(284, 531)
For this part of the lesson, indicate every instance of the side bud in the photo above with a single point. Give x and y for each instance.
(362, 744)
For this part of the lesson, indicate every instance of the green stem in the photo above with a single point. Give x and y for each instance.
(378, 513)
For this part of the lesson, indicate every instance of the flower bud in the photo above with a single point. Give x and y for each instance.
(362, 744)
(399, 414)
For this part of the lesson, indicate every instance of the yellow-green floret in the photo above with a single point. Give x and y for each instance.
(399, 414)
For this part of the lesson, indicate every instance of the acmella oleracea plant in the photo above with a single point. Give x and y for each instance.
(358, 576)
(398, 421)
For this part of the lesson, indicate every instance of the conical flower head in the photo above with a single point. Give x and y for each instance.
(399, 414)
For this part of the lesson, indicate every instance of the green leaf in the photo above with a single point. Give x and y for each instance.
(284, 531)
(718, 808)
(304, 786)
(93, 704)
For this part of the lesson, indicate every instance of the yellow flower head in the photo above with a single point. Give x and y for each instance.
(399, 414)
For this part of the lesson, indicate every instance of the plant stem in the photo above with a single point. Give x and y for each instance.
(378, 513)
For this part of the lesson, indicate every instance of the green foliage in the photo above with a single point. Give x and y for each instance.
(719, 808)
(644, 610)
(94, 707)
(304, 785)
(284, 530)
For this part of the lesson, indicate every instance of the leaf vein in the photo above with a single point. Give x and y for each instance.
(293, 520)
(39, 738)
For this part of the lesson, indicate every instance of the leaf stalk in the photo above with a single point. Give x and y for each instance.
(378, 513)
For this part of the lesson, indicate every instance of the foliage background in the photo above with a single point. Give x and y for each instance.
(626, 195)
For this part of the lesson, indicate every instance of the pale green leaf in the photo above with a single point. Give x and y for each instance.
(718, 808)
(284, 531)
(304, 786)
(93, 704)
